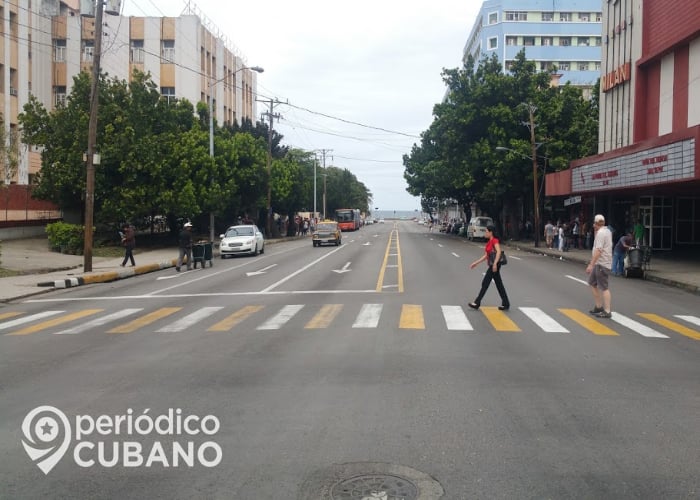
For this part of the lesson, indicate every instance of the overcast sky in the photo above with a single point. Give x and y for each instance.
(373, 62)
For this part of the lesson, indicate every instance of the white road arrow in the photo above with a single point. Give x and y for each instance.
(262, 271)
(343, 270)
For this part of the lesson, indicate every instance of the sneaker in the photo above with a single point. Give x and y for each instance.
(596, 310)
(604, 314)
(503, 308)
(473, 305)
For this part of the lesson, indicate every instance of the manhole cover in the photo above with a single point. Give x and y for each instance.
(375, 487)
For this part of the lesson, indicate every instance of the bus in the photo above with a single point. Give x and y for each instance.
(348, 219)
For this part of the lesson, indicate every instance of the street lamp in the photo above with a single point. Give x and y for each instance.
(535, 188)
(211, 84)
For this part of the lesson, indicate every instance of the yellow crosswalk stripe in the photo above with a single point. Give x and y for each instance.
(9, 315)
(588, 322)
(325, 316)
(56, 321)
(412, 317)
(500, 320)
(145, 320)
(229, 322)
(671, 325)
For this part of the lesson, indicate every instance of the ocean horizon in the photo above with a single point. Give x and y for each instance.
(395, 214)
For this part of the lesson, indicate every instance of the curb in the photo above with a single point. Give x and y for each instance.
(108, 276)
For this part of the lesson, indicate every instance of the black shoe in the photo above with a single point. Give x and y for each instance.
(473, 305)
(503, 308)
(604, 314)
(596, 310)
(177, 269)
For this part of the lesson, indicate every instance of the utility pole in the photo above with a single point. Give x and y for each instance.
(535, 188)
(271, 116)
(324, 152)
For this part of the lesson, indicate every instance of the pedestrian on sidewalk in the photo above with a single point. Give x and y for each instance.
(185, 246)
(623, 244)
(549, 233)
(599, 268)
(129, 243)
(492, 254)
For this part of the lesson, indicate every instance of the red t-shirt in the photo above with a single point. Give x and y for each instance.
(491, 245)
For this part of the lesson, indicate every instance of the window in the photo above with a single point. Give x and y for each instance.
(583, 41)
(516, 16)
(597, 66)
(564, 41)
(529, 41)
(59, 50)
(511, 40)
(493, 43)
(584, 18)
(548, 16)
(59, 93)
(597, 40)
(493, 17)
(598, 17)
(137, 53)
(583, 66)
(565, 66)
(547, 40)
(565, 16)
(168, 93)
(88, 50)
(168, 50)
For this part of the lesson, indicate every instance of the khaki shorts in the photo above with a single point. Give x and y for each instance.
(599, 277)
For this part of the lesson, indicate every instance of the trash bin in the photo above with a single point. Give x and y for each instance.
(202, 253)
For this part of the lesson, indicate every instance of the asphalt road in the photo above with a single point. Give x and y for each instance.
(310, 369)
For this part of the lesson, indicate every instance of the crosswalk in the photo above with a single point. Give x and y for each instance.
(432, 319)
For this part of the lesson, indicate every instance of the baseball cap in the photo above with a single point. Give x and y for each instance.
(188, 224)
(599, 219)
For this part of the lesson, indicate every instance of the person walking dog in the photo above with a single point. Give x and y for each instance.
(185, 246)
(492, 255)
(599, 268)
(129, 242)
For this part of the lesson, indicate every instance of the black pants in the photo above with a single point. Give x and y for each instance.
(490, 275)
(129, 255)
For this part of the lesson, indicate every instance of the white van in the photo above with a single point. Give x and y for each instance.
(477, 227)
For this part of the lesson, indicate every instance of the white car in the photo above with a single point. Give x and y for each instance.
(244, 239)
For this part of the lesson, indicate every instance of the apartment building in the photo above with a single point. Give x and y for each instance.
(45, 43)
(648, 167)
(562, 33)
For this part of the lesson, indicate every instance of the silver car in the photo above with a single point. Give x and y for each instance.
(244, 239)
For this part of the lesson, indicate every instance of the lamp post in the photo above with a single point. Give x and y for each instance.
(535, 188)
(211, 84)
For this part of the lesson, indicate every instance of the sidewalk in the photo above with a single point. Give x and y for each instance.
(43, 270)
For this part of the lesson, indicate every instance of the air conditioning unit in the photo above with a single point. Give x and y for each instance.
(113, 7)
(13, 91)
(87, 8)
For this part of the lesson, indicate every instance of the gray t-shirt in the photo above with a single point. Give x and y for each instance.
(603, 240)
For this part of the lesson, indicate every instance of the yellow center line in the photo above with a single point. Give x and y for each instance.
(588, 322)
(412, 317)
(671, 325)
(229, 322)
(500, 320)
(9, 315)
(325, 316)
(55, 322)
(392, 243)
(145, 320)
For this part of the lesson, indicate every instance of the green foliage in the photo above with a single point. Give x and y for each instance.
(66, 238)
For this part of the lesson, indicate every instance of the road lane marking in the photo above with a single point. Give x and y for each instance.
(637, 327)
(543, 320)
(282, 317)
(583, 282)
(189, 320)
(56, 321)
(393, 241)
(9, 315)
(412, 317)
(145, 320)
(456, 255)
(27, 319)
(369, 316)
(456, 319)
(324, 317)
(99, 322)
(593, 326)
(500, 320)
(301, 270)
(672, 325)
(229, 322)
(690, 319)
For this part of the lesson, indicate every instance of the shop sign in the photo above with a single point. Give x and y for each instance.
(668, 163)
(616, 77)
(572, 201)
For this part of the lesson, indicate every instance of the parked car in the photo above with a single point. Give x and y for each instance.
(326, 232)
(477, 227)
(243, 239)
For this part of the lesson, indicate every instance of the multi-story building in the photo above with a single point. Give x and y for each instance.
(562, 33)
(45, 43)
(648, 168)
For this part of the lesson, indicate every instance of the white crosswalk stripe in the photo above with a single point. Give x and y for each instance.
(636, 326)
(28, 319)
(189, 320)
(282, 317)
(690, 319)
(456, 319)
(543, 320)
(369, 316)
(99, 322)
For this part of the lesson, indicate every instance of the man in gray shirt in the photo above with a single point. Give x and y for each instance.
(599, 268)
